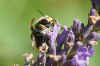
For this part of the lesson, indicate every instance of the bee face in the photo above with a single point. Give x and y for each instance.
(45, 24)
(47, 19)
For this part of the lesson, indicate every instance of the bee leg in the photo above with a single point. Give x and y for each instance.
(33, 39)
(43, 48)
(33, 43)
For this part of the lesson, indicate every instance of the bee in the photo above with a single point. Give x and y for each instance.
(44, 25)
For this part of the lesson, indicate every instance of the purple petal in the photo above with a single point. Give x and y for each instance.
(91, 51)
(70, 36)
(83, 49)
(87, 30)
(53, 36)
(94, 36)
(77, 26)
(93, 12)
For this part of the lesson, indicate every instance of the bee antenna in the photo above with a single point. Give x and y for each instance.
(39, 11)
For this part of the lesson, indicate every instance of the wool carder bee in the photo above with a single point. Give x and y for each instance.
(39, 31)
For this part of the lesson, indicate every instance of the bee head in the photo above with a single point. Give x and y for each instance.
(47, 19)
(45, 24)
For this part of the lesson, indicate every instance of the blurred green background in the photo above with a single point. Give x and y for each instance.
(15, 16)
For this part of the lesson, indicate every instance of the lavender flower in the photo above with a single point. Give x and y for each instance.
(53, 36)
(90, 25)
(68, 44)
(61, 37)
(93, 12)
(82, 56)
(70, 37)
(77, 26)
(94, 36)
(28, 57)
(42, 59)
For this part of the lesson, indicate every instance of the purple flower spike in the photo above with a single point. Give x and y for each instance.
(91, 51)
(70, 38)
(28, 57)
(82, 57)
(76, 21)
(89, 27)
(83, 49)
(87, 30)
(61, 37)
(77, 27)
(94, 36)
(53, 36)
(93, 12)
(75, 24)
